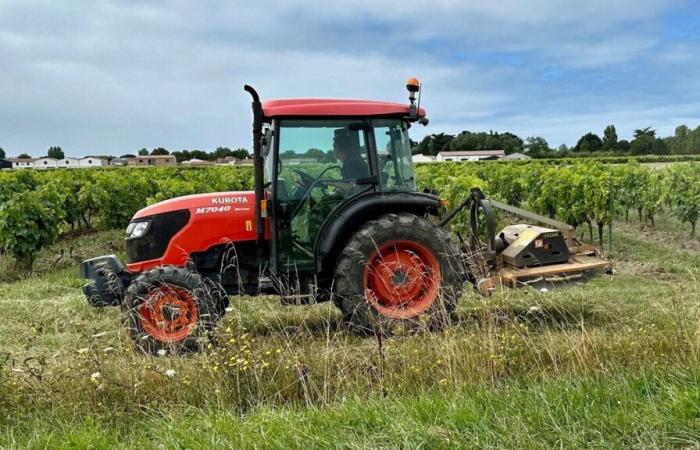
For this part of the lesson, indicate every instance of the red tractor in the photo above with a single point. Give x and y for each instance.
(334, 216)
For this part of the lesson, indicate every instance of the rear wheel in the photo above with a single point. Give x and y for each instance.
(398, 271)
(170, 310)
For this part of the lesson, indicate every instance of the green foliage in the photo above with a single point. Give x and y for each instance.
(685, 141)
(159, 151)
(684, 194)
(589, 143)
(55, 152)
(30, 220)
(467, 140)
(580, 192)
(575, 191)
(223, 152)
(536, 145)
(2, 153)
(220, 152)
(646, 144)
(610, 138)
(433, 144)
(38, 206)
(648, 131)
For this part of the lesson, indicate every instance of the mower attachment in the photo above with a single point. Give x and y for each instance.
(523, 254)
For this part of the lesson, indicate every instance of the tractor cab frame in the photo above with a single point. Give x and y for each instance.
(324, 168)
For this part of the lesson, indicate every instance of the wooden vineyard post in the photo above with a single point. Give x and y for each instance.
(612, 212)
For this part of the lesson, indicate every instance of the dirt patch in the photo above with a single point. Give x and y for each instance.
(638, 268)
(656, 234)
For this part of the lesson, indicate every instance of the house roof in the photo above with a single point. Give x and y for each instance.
(475, 153)
(22, 159)
(333, 107)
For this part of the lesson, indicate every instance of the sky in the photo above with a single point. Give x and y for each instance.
(111, 77)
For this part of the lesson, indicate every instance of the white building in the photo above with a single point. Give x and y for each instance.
(22, 163)
(197, 162)
(119, 162)
(516, 157)
(45, 163)
(476, 155)
(421, 158)
(92, 162)
(68, 163)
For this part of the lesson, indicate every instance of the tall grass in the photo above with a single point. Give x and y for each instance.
(522, 363)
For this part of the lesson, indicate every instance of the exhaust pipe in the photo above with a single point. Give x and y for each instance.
(257, 167)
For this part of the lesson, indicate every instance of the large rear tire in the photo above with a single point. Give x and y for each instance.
(170, 310)
(399, 271)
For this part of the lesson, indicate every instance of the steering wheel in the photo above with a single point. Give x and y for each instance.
(309, 183)
(305, 177)
(307, 180)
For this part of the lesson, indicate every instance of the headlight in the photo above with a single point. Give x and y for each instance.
(137, 229)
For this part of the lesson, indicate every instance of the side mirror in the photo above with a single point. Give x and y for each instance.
(266, 142)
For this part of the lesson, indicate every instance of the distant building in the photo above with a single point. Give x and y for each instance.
(92, 162)
(119, 162)
(68, 163)
(229, 160)
(45, 163)
(476, 155)
(246, 162)
(197, 162)
(516, 157)
(153, 161)
(22, 163)
(420, 158)
(4, 164)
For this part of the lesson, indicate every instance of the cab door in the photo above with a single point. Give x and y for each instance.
(318, 165)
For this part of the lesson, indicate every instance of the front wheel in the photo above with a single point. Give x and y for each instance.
(400, 270)
(169, 310)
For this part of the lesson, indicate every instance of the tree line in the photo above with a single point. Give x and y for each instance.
(185, 155)
(685, 141)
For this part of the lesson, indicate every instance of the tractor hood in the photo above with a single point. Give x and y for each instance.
(182, 226)
(202, 203)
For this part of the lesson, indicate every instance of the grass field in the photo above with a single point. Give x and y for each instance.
(611, 363)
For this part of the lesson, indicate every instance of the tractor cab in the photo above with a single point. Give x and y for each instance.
(315, 166)
(329, 165)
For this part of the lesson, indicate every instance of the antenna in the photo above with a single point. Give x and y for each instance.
(420, 93)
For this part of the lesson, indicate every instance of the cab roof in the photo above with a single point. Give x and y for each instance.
(334, 107)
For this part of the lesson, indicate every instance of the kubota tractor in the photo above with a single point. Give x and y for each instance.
(334, 216)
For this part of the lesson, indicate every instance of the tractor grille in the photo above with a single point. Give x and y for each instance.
(153, 244)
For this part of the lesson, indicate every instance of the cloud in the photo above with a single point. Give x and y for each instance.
(114, 76)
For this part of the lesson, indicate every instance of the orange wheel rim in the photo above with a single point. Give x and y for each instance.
(168, 313)
(401, 279)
